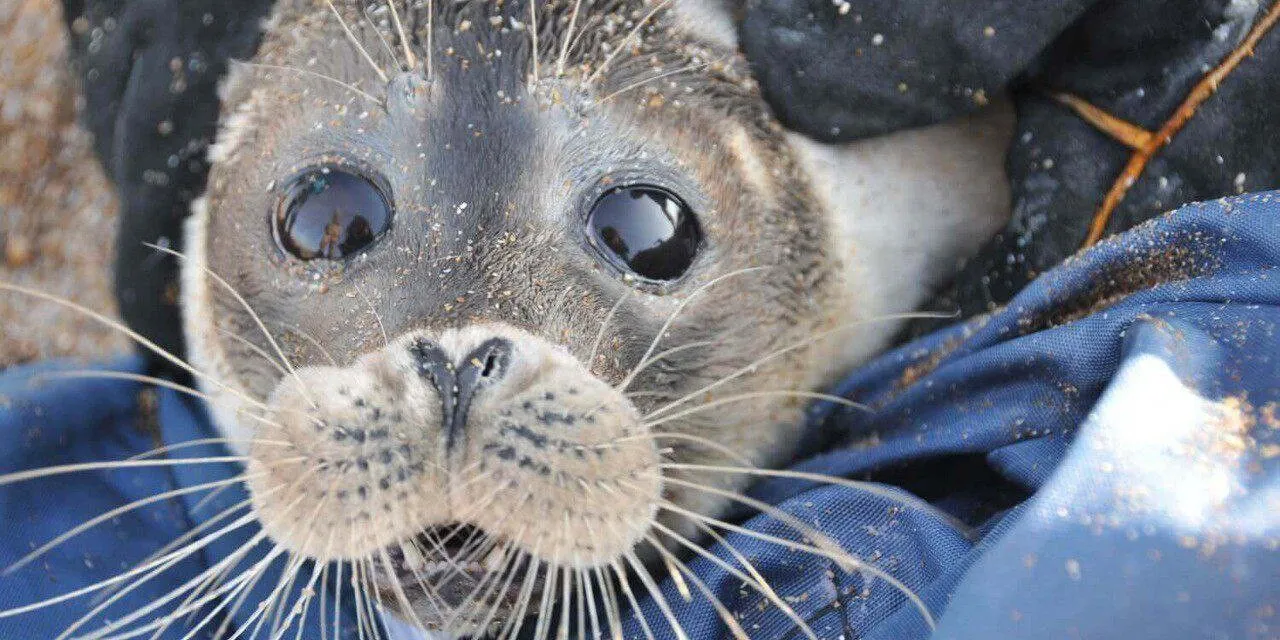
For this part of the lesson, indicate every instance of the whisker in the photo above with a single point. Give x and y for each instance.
(259, 351)
(169, 618)
(107, 515)
(725, 616)
(431, 16)
(401, 596)
(566, 605)
(22, 476)
(533, 33)
(625, 41)
(201, 442)
(155, 604)
(879, 490)
(631, 598)
(513, 624)
(656, 592)
(71, 595)
(612, 614)
(133, 335)
(828, 550)
(386, 342)
(568, 36)
(386, 46)
(152, 380)
(756, 581)
(180, 541)
(316, 74)
(152, 606)
(821, 335)
(680, 308)
(253, 314)
(314, 343)
(544, 606)
(404, 39)
(595, 344)
(640, 83)
(356, 43)
(673, 435)
(656, 358)
(752, 396)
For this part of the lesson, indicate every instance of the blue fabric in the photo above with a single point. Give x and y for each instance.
(1101, 457)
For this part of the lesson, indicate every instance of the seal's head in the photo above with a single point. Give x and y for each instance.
(480, 284)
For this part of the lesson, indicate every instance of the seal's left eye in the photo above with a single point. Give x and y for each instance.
(645, 230)
(330, 213)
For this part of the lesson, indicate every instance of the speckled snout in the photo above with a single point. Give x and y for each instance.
(487, 426)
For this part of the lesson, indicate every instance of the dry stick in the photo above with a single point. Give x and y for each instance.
(1199, 94)
(1130, 134)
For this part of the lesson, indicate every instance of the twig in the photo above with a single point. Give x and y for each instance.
(1199, 94)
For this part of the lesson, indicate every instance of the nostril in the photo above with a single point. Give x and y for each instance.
(490, 365)
(491, 358)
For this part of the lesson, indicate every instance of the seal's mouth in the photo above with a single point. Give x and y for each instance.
(456, 577)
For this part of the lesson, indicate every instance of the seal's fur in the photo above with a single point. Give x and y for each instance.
(493, 148)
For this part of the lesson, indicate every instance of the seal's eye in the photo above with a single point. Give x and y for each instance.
(645, 230)
(330, 213)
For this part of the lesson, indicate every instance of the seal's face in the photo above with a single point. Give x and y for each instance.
(489, 308)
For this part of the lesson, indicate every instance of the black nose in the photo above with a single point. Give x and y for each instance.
(458, 383)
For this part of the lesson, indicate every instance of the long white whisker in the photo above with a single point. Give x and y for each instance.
(22, 476)
(92, 522)
(829, 550)
(116, 624)
(308, 72)
(404, 38)
(755, 581)
(673, 435)
(631, 598)
(625, 41)
(595, 344)
(259, 351)
(882, 491)
(656, 592)
(676, 313)
(822, 335)
(168, 619)
(315, 343)
(568, 36)
(257, 319)
(133, 335)
(170, 558)
(356, 43)
(725, 616)
(752, 396)
(386, 342)
(533, 33)
(639, 83)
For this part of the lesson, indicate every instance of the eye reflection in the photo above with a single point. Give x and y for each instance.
(331, 213)
(646, 230)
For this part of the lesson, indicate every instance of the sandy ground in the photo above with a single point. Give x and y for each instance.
(57, 212)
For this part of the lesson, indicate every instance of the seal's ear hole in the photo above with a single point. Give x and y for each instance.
(645, 230)
(331, 213)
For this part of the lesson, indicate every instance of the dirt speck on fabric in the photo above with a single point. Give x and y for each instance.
(57, 210)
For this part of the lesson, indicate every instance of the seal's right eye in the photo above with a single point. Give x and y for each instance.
(330, 213)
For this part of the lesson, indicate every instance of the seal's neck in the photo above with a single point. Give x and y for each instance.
(907, 209)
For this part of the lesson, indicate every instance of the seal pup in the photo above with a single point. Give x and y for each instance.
(508, 301)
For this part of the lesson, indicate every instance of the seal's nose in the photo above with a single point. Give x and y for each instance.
(458, 383)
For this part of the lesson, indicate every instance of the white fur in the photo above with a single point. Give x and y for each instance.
(202, 350)
(908, 208)
(708, 21)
